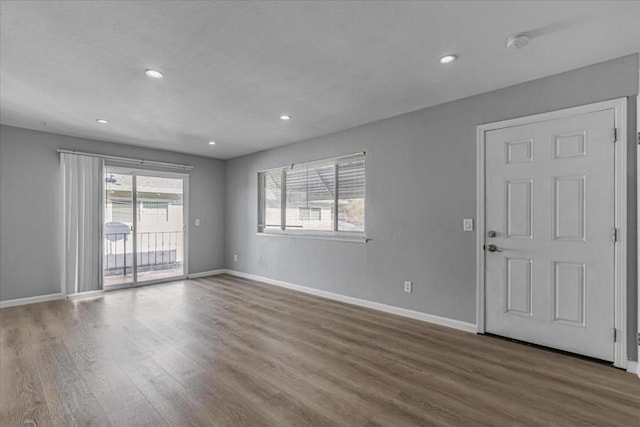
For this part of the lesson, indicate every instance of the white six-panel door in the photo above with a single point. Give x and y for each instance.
(550, 205)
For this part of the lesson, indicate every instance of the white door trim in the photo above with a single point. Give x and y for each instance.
(619, 106)
(185, 222)
(637, 135)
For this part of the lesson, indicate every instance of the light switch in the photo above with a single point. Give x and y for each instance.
(197, 222)
(467, 224)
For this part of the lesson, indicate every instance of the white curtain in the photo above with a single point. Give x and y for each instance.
(82, 178)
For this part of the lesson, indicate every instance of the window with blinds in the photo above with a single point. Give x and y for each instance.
(323, 197)
(272, 198)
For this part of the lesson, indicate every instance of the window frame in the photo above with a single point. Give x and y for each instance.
(282, 230)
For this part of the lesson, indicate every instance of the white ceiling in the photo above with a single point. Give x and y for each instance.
(231, 68)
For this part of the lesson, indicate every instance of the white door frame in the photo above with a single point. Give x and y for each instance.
(185, 223)
(619, 106)
(637, 135)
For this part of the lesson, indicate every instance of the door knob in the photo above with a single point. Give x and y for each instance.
(493, 248)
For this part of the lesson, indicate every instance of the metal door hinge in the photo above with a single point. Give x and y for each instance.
(638, 338)
(614, 235)
(615, 335)
(614, 135)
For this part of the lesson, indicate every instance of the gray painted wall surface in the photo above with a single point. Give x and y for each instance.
(30, 238)
(421, 183)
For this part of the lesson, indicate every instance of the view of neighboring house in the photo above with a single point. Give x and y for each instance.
(159, 219)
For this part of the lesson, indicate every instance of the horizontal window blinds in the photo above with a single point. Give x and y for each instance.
(311, 186)
(325, 195)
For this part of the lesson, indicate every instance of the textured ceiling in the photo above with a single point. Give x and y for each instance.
(231, 68)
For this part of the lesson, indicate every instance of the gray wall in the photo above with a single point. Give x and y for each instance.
(30, 237)
(421, 183)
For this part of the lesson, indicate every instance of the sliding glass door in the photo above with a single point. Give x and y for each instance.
(160, 224)
(144, 215)
(117, 264)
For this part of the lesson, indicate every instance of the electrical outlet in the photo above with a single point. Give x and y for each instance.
(235, 258)
(408, 287)
(467, 224)
(197, 222)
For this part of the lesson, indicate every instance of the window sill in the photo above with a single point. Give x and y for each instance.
(316, 236)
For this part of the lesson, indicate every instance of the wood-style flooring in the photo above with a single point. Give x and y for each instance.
(223, 351)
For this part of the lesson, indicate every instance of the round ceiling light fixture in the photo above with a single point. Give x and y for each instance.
(518, 41)
(212, 143)
(449, 58)
(285, 117)
(154, 74)
(102, 121)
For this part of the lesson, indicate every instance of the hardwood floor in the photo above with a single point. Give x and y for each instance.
(223, 351)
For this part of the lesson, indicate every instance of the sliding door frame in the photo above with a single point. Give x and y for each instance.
(134, 200)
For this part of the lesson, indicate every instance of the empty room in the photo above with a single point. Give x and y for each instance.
(319, 213)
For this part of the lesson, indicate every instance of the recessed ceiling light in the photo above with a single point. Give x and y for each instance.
(447, 59)
(518, 41)
(153, 73)
(285, 117)
(212, 143)
(103, 121)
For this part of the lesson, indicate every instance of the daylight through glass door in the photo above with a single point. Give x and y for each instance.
(153, 231)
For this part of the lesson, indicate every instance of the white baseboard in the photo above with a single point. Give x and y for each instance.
(51, 297)
(633, 367)
(206, 273)
(31, 300)
(418, 315)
